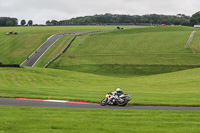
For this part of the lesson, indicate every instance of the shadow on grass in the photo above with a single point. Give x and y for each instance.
(126, 70)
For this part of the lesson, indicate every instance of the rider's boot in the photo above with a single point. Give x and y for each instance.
(110, 101)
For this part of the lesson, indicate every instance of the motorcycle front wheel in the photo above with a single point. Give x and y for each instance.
(104, 102)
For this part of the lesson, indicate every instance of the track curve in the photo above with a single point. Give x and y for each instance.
(35, 56)
(29, 103)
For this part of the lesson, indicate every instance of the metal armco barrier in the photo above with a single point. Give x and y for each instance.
(9, 65)
(71, 43)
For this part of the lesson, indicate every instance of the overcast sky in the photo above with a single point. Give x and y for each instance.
(42, 10)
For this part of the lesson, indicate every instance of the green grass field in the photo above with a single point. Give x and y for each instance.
(24, 119)
(195, 44)
(125, 50)
(173, 89)
(90, 71)
(150, 63)
(15, 49)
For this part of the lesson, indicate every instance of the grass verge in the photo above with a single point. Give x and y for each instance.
(174, 89)
(31, 120)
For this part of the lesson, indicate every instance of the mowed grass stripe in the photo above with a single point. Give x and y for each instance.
(195, 43)
(18, 47)
(126, 45)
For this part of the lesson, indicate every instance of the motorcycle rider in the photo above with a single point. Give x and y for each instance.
(115, 95)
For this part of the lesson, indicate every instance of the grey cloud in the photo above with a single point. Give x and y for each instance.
(41, 10)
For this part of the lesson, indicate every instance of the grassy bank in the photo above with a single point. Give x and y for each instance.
(15, 49)
(156, 50)
(152, 45)
(23, 119)
(125, 69)
(176, 88)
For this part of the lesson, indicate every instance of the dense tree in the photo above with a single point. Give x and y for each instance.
(48, 22)
(149, 19)
(23, 22)
(30, 22)
(54, 22)
(195, 19)
(7, 21)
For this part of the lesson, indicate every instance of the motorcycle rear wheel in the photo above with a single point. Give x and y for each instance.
(124, 103)
(104, 102)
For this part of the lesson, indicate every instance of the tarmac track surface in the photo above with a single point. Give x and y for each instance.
(35, 56)
(29, 103)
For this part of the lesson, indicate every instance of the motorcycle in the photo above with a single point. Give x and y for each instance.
(115, 100)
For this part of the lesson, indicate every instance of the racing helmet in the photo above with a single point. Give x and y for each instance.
(118, 90)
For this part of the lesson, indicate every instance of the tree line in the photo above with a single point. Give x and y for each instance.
(150, 19)
(7, 21)
(195, 19)
(110, 19)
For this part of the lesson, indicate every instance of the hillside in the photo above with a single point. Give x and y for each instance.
(15, 49)
(130, 49)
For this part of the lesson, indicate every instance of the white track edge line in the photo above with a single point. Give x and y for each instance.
(45, 52)
(38, 48)
(49, 48)
(56, 101)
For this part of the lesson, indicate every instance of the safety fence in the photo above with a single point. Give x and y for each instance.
(93, 32)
